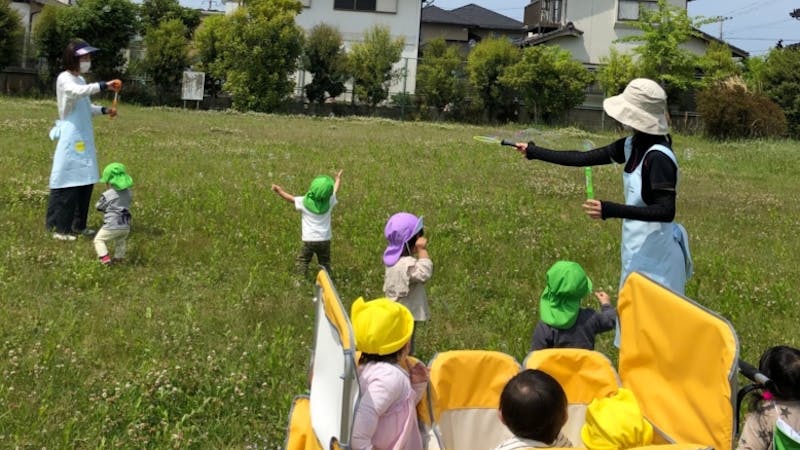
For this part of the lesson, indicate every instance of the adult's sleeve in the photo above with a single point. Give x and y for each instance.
(660, 172)
(661, 210)
(614, 152)
(73, 90)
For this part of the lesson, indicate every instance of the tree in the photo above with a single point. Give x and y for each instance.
(324, 56)
(371, 63)
(718, 63)
(207, 50)
(730, 111)
(153, 12)
(167, 55)
(617, 71)
(485, 64)
(781, 83)
(106, 24)
(549, 80)
(259, 49)
(11, 38)
(661, 56)
(441, 79)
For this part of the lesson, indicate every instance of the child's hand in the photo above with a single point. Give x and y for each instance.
(275, 188)
(422, 243)
(603, 298)
(339, 174)
(419, 373)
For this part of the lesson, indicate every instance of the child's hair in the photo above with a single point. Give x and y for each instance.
(534, 406)
(781, 364)
(408, 249)
(366, 358)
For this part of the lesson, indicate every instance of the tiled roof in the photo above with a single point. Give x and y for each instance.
(434, 14)
(488, 19)
(472, 16)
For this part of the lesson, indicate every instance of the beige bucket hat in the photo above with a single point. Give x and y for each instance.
(641, 106)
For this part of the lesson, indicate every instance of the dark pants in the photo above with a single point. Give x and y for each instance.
(68, 209)
(323, 251)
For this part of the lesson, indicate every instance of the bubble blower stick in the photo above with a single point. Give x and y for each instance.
(114, 102)
(587, 145)
(493, 140)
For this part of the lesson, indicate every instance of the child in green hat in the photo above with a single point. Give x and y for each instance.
(564, 324)
(315, 208)
(115, 204)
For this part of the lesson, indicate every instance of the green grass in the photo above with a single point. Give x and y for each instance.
(201, 340)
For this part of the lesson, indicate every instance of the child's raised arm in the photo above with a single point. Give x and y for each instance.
(283, 194)
(338, 181)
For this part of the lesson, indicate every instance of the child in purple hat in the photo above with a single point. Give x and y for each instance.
(408, 266)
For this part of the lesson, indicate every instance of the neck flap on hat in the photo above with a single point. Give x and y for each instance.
(317, 199)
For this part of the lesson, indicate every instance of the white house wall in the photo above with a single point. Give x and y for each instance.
(405, 23)
(598, 21)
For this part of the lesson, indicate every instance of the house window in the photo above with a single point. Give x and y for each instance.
(355, 5)
(551, 11)
(630, 9)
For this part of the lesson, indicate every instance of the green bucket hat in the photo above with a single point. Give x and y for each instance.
(567, 284)
(318, 197)
(115, 175)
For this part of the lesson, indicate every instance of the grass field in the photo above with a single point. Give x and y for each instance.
(202, 338)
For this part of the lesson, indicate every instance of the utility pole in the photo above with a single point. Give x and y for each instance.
(721, 20)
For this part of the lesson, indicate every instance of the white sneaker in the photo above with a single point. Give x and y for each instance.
(63, 237)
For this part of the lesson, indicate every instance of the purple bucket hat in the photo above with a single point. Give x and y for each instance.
(400, 228)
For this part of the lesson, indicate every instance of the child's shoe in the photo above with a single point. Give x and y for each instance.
(105, 260)
(63, 237)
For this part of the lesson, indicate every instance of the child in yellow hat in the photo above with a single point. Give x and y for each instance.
(616, 423)
(534, 408)
(315, 208)
(386, 417)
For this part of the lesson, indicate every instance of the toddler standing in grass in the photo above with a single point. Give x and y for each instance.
(408, 266)
(115, 205)
(564, 324)
(315, 208)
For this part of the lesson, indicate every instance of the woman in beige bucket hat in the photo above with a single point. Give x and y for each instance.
(651, 242)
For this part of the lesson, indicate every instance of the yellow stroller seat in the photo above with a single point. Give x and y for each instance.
(464, 395)
(584, 375)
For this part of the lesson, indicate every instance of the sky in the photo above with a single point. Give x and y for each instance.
(752, 25)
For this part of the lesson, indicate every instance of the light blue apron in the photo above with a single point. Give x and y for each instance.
(659, 250)
(75, 159)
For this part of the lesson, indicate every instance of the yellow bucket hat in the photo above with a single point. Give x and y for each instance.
(616, 423)
(381, 326)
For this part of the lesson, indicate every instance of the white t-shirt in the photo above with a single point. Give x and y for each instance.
(316, 227)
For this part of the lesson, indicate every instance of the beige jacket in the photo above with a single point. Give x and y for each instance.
(405, 283)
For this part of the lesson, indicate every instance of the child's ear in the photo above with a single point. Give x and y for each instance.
(500, 416)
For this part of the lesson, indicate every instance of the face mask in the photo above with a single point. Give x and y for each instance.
(85, 66)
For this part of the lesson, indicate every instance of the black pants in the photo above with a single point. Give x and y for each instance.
(68, 208)
(323, 251)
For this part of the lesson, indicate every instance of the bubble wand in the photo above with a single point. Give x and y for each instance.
(114, 102)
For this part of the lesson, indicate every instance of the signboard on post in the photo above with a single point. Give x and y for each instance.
(192, 87)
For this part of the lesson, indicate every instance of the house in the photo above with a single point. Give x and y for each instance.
(588, 29)
(354, 17)
(467, 25)
(28, 11)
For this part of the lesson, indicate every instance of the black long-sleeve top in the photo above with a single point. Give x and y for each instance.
(659, 174)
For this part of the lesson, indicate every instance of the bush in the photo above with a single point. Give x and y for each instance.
(325, 58)
(730, 111)
(781, 82)
(12, 35)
